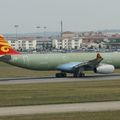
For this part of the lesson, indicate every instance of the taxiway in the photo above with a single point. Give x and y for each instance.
(89, 77)
(60, 108)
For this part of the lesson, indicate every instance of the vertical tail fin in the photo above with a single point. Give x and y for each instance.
(6, 48)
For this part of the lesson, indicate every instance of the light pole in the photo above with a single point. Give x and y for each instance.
(61, 29)
(38, 28)
(16, 30)
(45, 32)
(37, 37)
(44, 36)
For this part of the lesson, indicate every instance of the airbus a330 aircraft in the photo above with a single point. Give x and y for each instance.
(74, 63)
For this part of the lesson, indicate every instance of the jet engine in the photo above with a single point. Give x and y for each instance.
(104, 69)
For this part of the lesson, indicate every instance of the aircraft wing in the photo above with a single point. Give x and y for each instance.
(80, 66)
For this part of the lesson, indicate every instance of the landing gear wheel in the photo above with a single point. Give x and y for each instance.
(81, 74)
(77, 75)
(60, 75)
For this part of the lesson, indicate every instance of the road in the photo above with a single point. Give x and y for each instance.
(90, 77)
(60, 108)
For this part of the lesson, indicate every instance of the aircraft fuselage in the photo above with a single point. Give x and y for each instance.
(51, 61)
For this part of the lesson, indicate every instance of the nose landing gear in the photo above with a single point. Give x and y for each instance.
(61, 75)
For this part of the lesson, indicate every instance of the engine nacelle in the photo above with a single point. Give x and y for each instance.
(104, 69)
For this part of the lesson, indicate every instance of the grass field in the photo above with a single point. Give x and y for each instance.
(113, 115)
(50, 93)
(57, 93)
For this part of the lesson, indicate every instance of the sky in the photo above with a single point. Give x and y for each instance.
(77, 15)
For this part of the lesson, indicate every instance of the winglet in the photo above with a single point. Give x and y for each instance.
(6, 48)
(99, 56)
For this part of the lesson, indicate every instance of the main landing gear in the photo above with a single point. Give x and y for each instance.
(75, 74)
(60, 75)
(78, 74)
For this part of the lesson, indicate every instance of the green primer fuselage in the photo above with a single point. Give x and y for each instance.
(51, 61)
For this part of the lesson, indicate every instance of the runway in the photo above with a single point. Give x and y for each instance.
(60, 108)
(89, 77)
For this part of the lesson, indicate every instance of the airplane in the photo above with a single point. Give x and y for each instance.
(74, 63)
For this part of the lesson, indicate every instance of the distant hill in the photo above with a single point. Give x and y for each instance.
(33, 34)
(110, 30)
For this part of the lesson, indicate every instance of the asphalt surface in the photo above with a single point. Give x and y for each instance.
(90, 77)
(60, 108)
